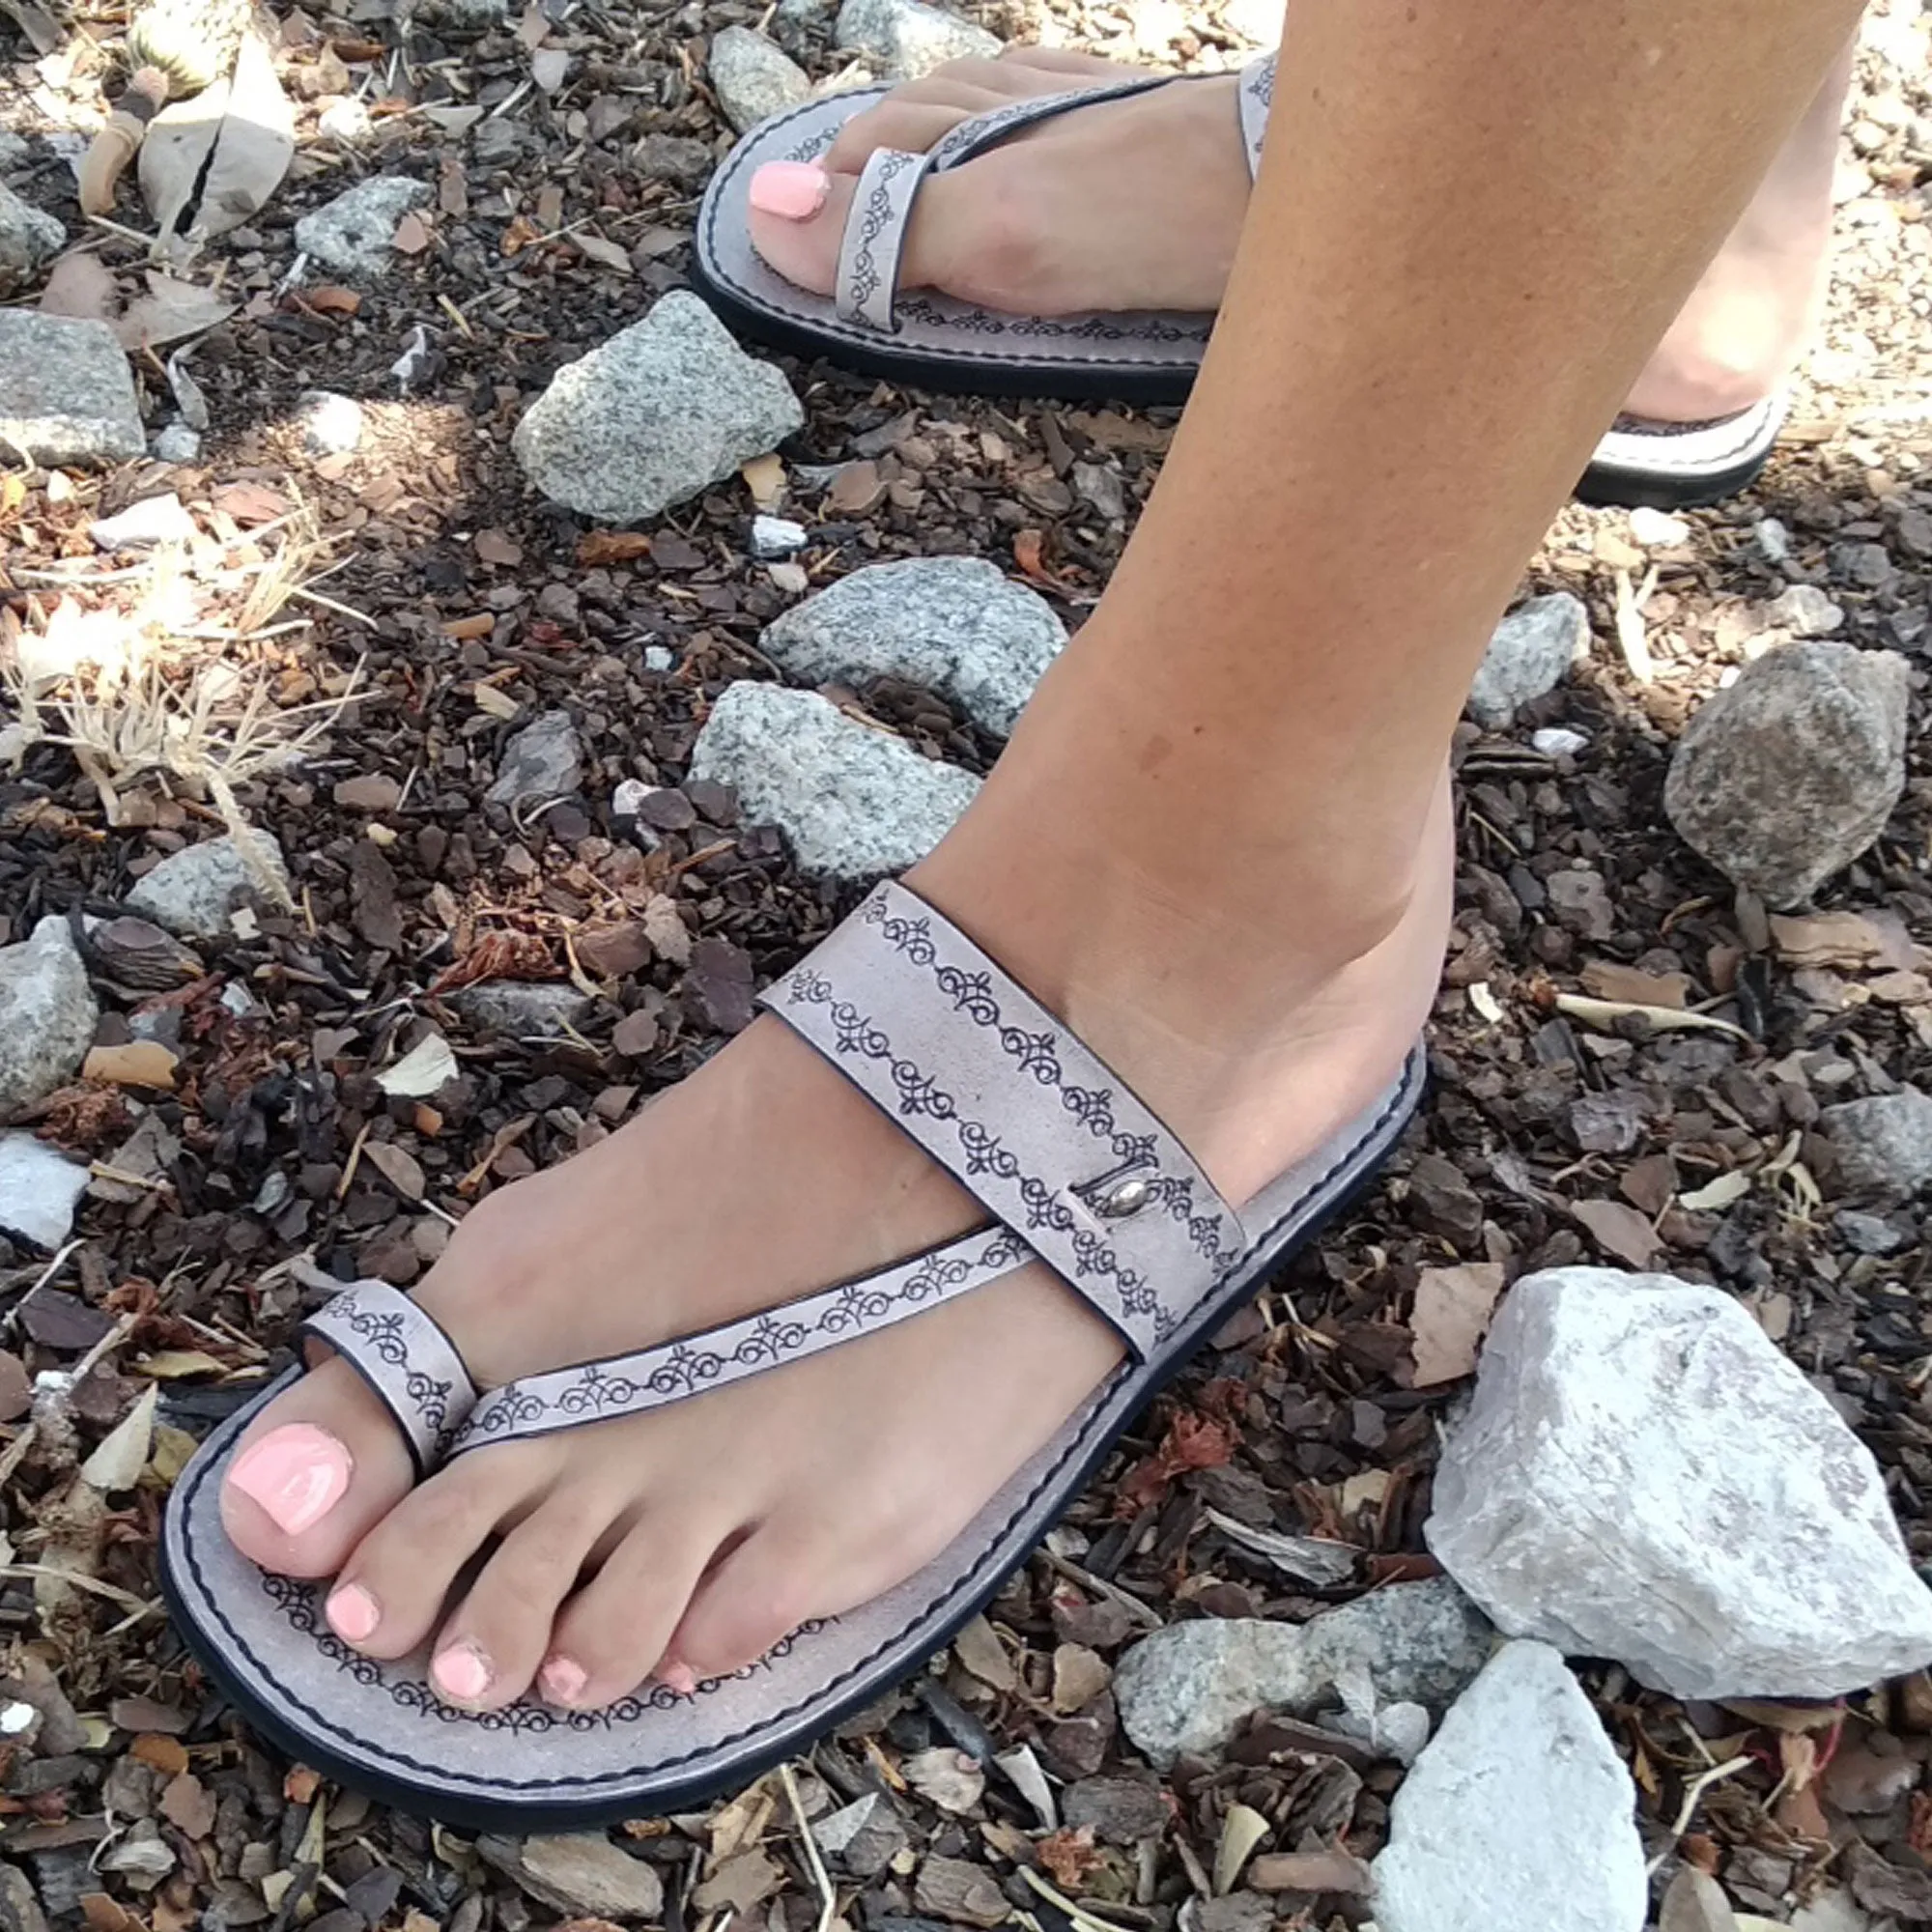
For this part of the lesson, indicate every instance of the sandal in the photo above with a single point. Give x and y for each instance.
(1073, 1171)
(933, 341)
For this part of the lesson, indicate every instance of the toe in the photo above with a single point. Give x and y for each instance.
(761, 1593)
(393, 1588)
(314, 1474)
(487, 1651)
(797, 217)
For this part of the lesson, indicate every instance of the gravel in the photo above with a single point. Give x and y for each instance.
(1618, 1420)
(656, 414)
(1530, 652)
(855, 803)
(1519, 1812)
(194, 892)
(954, 625)
(753, 77)
(542, 761)
(1884, 1145)
(66, 394)
(47, 1014)
(1784, 778)
(353, 236)
(905, 38)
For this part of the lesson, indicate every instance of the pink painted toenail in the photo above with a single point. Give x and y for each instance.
(563, 1680)
(353, 1613)
(791, 191)
(462, 1672)
(296, 1473)
(672, 1675)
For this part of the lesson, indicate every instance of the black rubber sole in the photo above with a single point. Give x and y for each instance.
(1608, 488)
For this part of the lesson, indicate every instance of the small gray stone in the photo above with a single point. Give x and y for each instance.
(579, 1872)
(542, 761)
(1789, 775)
(29, 240)
(776, 536)
(193, 893)
(1529, 652)
(1868, 1234)
(672, 157)
(1558, 741)
(66, 395)
(661, 411)
(177, 443)
(1117, 1811)
(905, 38)
(520, 1009)
(1884, 1144)
(1616, 1419)
(38, 1188)
(47, 1015)
(331, 425)
(1519, 1813)
(1802, 608)
(855, 803)
(353, 235)
(753, 77)
(864, 1838)
(1188, 1687)
(956, 625)
(470, 16)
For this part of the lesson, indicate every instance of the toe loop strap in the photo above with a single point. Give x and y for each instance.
(875, 233)
(392, 1342)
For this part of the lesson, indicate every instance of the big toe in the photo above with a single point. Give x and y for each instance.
(314, 1474)
(796, 215)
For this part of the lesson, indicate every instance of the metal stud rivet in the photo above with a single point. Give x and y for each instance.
(1129, 1198)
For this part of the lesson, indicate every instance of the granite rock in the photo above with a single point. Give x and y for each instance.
(47, 1014)
(1884, 1144)
(1530, 652)
(29, 240)
(66, 395)
(753, 77)
(905, 38)
(355, 234)
(193, 893)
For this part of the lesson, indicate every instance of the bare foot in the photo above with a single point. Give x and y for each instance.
(690, 1539)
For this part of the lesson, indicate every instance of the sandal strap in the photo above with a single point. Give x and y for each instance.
(974, 136)
(1017, 1110)
(734, 1351)
(1255, 96)
(394, 1345)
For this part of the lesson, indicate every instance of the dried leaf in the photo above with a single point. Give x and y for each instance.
(1070, 1857)
(413, 235)
(948, 1778)
(1621, 1229)
(253, 146)
(189, 1806)
(170, 311)
(398, 1166)
(424, 1069)
(1716, 1195)
(497, 703)
(765, 479)
(116, 1465)
(1192, 1443)
(167, 1755)
(601, 546)
(979, 1648)
(79, 284)
(332, 299)
(1241, 1831)
(740, 1883)
(605, 254)
(1079, 1676)
(1606, 1013)
(169, 1365)
(1452, 1312)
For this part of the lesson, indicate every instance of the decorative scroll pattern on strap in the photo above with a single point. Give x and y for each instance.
(1020, 1113)
(1255, 96)
(403, 1355)
(629, 1384)
(875, 232)
(986, 130)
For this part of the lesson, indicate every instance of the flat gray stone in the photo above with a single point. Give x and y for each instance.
(1530, 652)
(1884, 1144)
(47, 1015)
(29, 240)
(905, 38)
(1188, 1687)
(194, 892)
(542, 761)
(1643, 1475)
(66, 394)
(1518, 1812)
(663, 409)
(753, 77)
(520, 1009)
(862, 1837)
(38, 1189)
(1789, 775)
(579, 1872)
(354, 235)
(855, 803)
(954, 625)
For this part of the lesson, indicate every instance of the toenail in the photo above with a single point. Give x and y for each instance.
(462, 1672)
(679, 1677)
(296, 1473)
(563, 1680)
(353, 1613)
(791, 191)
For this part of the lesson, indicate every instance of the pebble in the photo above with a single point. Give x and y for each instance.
(193, 892)
(154, 519)
(29, 240)
(472, 16)
(957, 626)
(47, 1014)
(776, 536)
(177, 443)
(1187, 1688)
(352, 235)
(579, 1872)
(66, 395)
(542, 761)
(864, 1838)
(1617, 1418)
(753, 77)
(657, 413)
(1868, 1234)
(331, 425)
(1529, 652)
(38, 1189)
(1884, 1144)
(658, 657)
(854, 802)
(1803, 610)
(1117, 1811)
(905, 38)
(1773, 540)
(1519, 1812)
(1558, 741)
(1784, 778)
(520, 1009)
(1658, 526)
(345, 118)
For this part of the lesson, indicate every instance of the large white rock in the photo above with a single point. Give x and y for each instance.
(955, 625)
(1530, 652)
(1519, 1813)
(905, 38)
(855, 803)
(47, 1015)
(194, 891)
(647, 419)
(66, 395)
(1789, 775)
(1187, 1688)
(753, 77)
(1643, 1475)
